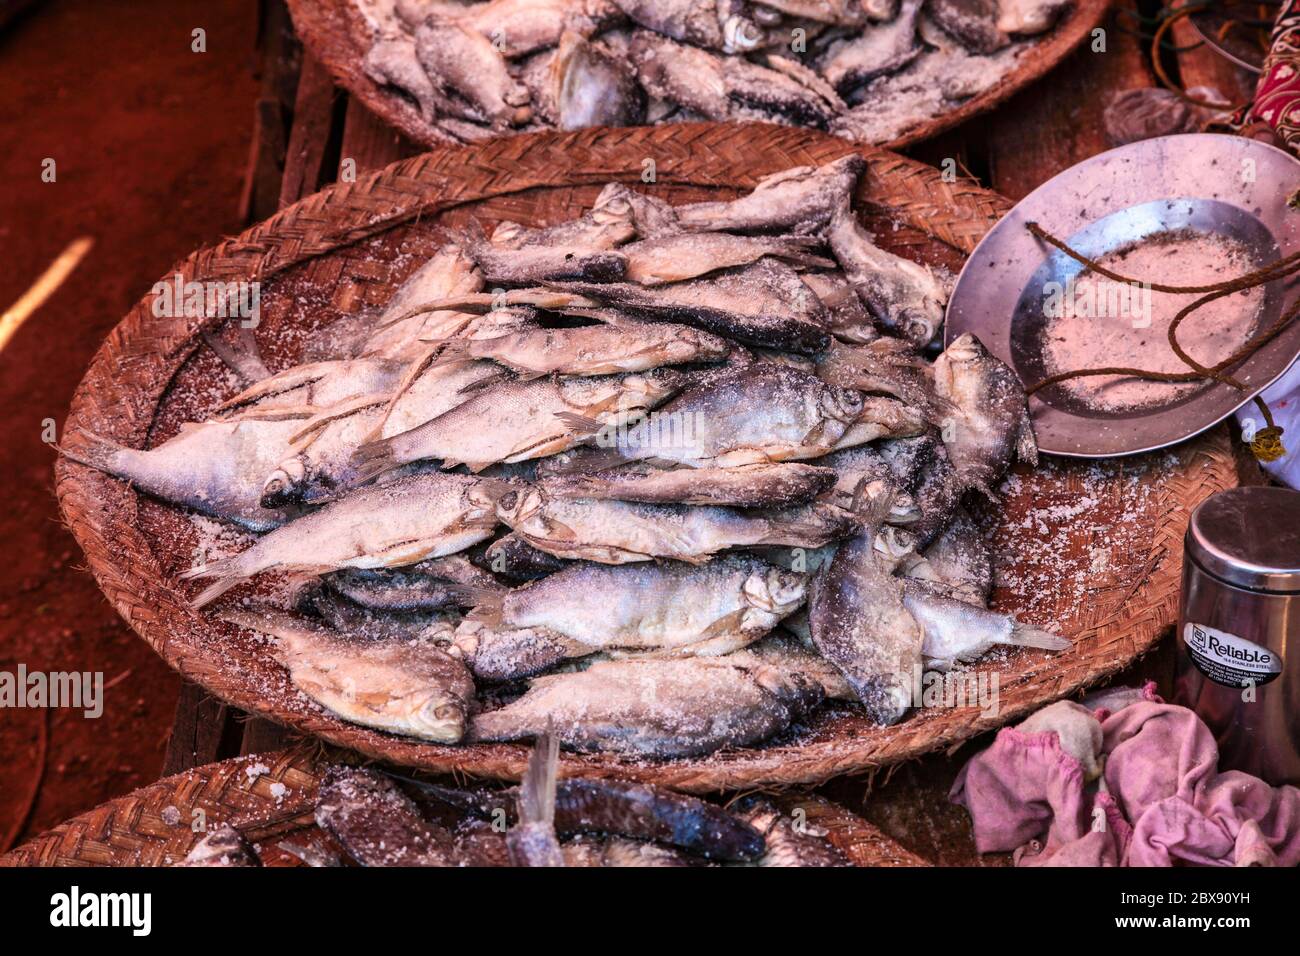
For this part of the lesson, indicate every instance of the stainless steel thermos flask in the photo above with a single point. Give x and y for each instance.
(1239, 628)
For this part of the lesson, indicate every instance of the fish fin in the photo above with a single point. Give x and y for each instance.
(598, 460)
(227, 578)
(488, 613)
(308, 433)
(286, 381)
(93, 451)
(373, 459)
(241, 356)
(580, 424)
(537, 789)
(1026, 635)
(1026, 443)
(485, 381)
(448, 351)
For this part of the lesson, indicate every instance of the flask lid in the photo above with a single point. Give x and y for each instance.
(1249, 537)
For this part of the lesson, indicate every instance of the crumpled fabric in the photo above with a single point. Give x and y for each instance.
(1123, 779)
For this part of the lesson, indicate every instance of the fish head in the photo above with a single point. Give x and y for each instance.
(841, 404)
(433, 714)
(483, 497)
(776, 590)
(518, 505)
(284, 485)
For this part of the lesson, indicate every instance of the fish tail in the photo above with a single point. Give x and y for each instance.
(488, 606)
(449, 351)
(215, 590)
(537, 789)
(580, 424)
(1025, 635)
(93, 451)
(819, 525)
(240, 355)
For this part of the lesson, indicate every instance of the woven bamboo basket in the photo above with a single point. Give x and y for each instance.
(1092, 549)
(270, 798)
(337, 34)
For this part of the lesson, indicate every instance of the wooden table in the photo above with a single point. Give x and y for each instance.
(308, 133)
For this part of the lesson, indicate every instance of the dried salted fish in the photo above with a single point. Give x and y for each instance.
(903, 295)
(593, 86)
(666, 608)
(634, 811)
(402, 521)
(849, 319)
(754, 414)
(356, 622)
(428, 586)
(676, 258)
(217, 468)
(862, 476)
(532, 840)
(223, 845)
(745, 486)
(789, 842)
(1028, 17)
(396, 331)
(859, 623)
(764, 304)
(626, 346)
(990, 424)
(875, 51)
(608, 223)
(512, 557)
(516, 27)
(377, 824)
(887, 366)
(973, 23)
(937, 493)
(843, 13)
(656, 708)
(407, 686)
(531, 264)
(723, 88)
(802, 199)
(519, 420)
(960, 561)
(317, 385)
(620, 532)
(496, 653)
(958, 631)
(882, 418)
(392, 61)
(713, 24)
(468, 69)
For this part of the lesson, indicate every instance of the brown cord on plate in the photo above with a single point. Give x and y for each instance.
(1266, 443)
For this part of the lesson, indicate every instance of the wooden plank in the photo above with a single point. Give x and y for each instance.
(1203, 67)
(204, 730)
(369, 144)
(309, 140)
(1058, 122)
(279, 58)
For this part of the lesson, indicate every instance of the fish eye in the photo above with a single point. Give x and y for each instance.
(509, 500)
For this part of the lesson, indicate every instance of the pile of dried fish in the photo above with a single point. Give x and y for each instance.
(683, 477)
(370, 818)
(867, 70)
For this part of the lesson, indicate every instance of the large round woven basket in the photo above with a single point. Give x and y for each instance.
(337, 34)
(270, 798)
(1090, 549)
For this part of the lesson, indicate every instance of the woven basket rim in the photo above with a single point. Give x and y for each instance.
(134, 368)
(335, 32)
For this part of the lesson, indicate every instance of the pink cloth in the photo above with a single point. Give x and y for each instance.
(1160, 799)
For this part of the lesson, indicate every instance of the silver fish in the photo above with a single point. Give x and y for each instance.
(684, 256)
(468, 69)
(212, 467)
(990, 424)
(937, 493)
(861, 476)
(531, 264)
(712, 24)
(886, 366)
(802, 199)
(223, 845)
(517, 27)
(397, 329)
(608, 223)
(859, 624)
(619, 532)
(317, 385)
(393, 62)
(626, 346)
(875, 51)
(411, 687)
(403, 521)
(745, 486)
(882, 418)
(844, 13)
(849, 320)
(960, 561)
(655, 708)
(668, 608)
(514, 558)
(754, 414)
(764, 303)
(957, 631)
(519, 420)
(378, 825)
(903, 295)
(496, 653)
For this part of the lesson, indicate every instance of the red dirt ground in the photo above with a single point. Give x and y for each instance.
(150, 140)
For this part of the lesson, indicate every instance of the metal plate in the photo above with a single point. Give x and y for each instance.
(1223, 185)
